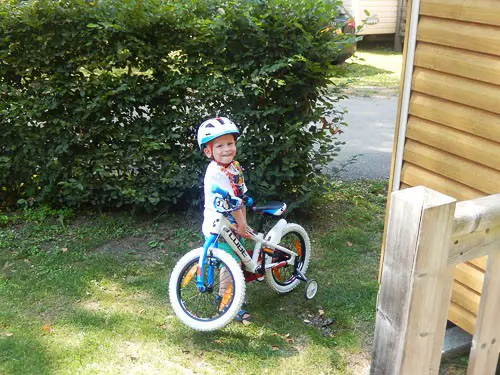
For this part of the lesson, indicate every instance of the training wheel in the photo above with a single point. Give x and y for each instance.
(311, 289)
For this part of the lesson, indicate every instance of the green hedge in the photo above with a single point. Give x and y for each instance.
(100, 101)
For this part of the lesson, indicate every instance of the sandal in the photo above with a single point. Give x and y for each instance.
(243, 317)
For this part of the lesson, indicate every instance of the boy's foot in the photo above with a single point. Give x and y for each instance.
(244, 317)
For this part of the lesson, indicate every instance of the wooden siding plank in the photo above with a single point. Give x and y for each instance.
(412, 175)
(473, 65)
(469, 276)
(382, 29)
(465, 145)
(465, 35)
(454, 167)
(484, 11)
(479, 262)
(457, 89)
(471, 120)
(465, 297)
(462, 318)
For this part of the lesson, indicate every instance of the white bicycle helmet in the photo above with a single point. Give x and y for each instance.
(215, 128)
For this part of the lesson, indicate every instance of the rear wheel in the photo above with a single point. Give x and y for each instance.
(216, 307)
(282, 279)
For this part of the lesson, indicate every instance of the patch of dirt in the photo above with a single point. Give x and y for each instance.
(324, 324)
(136, 247)
(359, 363)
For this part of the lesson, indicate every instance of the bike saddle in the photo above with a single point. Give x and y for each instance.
(271, 208)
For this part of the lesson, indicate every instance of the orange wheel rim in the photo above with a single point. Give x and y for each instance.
(190, 275)
(226, 297)
(298, 246)
(277, 273)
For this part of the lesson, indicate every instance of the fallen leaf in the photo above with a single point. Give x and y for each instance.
(64, 249)
(349, 243)
(218, 342)
(7, 334)
(321, 312)
(47, 328)
(141, 311)
(274, 347)
(307, 321)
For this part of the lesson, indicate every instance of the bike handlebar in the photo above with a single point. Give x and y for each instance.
(224, 193)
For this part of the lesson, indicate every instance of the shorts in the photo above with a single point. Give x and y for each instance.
(225, 246)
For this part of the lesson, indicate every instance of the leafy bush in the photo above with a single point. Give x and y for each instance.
(100, 101)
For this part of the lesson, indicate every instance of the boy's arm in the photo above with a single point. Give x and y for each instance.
(241, 222)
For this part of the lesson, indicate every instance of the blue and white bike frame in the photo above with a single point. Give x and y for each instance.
(222, 228)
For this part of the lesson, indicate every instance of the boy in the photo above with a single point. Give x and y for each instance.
(217, 140)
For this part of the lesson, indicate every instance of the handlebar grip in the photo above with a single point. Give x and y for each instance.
(217, 190)
(248, 201)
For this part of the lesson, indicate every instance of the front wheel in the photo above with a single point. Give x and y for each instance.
(282, 279)
(216, 307)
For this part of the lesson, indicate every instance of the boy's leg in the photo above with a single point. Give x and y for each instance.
(226, 285)
(225, 281)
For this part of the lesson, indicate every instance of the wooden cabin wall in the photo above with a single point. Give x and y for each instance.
(452, 141)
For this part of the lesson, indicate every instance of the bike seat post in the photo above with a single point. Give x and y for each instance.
(257, 248)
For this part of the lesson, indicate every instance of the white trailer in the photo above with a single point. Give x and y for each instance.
(382, 18)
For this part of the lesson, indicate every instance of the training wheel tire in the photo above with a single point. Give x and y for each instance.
(311, 289)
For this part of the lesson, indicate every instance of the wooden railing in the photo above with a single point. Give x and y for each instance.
(428, 233)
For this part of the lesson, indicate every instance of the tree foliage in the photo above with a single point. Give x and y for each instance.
(100, 101)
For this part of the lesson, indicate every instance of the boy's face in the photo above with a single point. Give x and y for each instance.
(223, 149)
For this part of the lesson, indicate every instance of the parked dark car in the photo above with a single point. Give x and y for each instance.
(345, 25)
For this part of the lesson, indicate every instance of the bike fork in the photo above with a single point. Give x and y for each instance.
(200, 281)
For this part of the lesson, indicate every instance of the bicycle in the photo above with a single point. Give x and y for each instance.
(280, 257)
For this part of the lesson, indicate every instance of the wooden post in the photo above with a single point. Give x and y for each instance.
(416, 284)
(398, 43)
(486, 342)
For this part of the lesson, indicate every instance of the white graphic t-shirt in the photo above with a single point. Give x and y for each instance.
(229, 178)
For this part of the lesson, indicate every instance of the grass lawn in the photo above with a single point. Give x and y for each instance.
(371, 71)
(88, 295)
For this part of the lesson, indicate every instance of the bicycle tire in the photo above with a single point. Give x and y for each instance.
(282, 280)
(206, 316)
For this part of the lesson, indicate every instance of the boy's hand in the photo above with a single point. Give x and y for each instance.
(241, 230)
